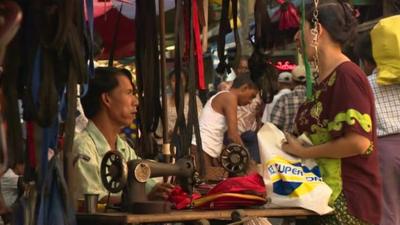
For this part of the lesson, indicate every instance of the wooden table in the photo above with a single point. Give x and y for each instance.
(185, 215)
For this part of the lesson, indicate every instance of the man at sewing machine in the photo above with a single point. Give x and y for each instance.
(219, 115)
(109, 104)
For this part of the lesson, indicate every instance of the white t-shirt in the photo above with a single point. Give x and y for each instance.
(212, 129)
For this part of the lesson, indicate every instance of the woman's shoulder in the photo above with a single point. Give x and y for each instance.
(349, 67)
(350, 72)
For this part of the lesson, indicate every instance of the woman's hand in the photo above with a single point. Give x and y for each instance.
(161, 191)
(293, 146)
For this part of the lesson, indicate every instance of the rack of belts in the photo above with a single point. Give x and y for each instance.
(187, 47)
(152, 79)
(44, 63)
(224, 29)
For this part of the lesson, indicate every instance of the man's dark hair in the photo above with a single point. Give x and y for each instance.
(363, 48)
(244, 79)
(337, 17)
(105, 80)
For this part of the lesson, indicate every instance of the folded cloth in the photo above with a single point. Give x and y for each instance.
(235, 192)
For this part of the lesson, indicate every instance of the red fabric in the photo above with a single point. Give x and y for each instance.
(288, 16)
(250, 184)
(30, 137)
(198, 47)
(181, 199)
(125, 43)
(198, 51)
(250, 191)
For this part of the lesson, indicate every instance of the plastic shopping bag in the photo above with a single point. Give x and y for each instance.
(290, 181)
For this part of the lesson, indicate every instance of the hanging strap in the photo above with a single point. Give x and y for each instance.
(178, 135)
(115, 35)
(30, 144)
(90, 22)
(148, 79)
(55, 207)
(198, 47)
(263, 37)
(235, 32)
(224, 28)
(193, 122)
(304, 54)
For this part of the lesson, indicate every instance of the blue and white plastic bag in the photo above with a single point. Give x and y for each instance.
(290, 181)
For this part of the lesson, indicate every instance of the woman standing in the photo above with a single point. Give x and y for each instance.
(339, 119)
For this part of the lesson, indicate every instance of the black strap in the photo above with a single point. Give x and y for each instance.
(263, 37)
(180, 124)
(148, 78)
(183, 131)
(224, 28)
(114, 41)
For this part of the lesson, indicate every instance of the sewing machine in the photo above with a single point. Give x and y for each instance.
(235, 159)
(130, 178)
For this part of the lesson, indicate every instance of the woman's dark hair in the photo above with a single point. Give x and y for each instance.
(337, 17)
(105, 80)
(263, 74)
(363, 48)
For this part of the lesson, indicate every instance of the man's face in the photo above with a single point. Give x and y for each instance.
(122, 102)
(242, 67)
(246, 95)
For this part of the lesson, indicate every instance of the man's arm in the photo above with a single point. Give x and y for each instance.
(86, 171)
(229, 109)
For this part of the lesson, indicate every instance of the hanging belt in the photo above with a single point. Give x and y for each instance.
(198, 47)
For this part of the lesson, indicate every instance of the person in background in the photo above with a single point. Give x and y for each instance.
(110, 104)
(248, 116)
(172, 116)
(286, 107)
(387, 104)
(219, 115)
(339, 119)
(243, 66)
(285, 85)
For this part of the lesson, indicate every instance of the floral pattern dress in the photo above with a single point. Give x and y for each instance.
(343, 103)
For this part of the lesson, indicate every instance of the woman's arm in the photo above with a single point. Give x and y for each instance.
(351, 144)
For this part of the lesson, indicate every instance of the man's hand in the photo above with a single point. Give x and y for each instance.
(293, 146)
(161, 191)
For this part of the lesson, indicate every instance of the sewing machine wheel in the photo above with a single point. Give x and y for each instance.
(113, 171)
(235, 158)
